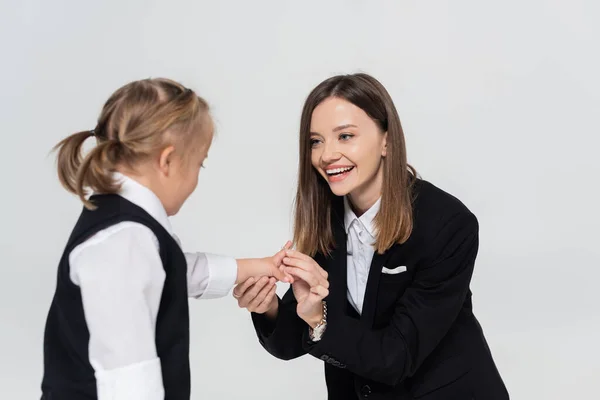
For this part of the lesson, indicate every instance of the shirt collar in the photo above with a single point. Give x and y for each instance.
(144, 198)
(367, 219)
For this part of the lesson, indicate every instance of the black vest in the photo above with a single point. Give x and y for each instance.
(67, 370)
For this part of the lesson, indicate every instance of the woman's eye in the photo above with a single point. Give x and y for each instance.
(346, 136)
(314, 142)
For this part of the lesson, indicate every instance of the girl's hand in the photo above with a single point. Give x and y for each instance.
(266, 266)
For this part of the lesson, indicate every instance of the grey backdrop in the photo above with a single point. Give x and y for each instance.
(499, 101)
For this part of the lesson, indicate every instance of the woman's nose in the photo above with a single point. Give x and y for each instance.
(330, 154)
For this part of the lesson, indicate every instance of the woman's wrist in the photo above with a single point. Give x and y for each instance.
(314, 319)
(273, 310)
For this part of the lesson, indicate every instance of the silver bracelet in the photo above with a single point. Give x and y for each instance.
(317, 333)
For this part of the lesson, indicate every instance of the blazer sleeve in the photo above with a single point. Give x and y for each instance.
(282, 337)
(422, 317)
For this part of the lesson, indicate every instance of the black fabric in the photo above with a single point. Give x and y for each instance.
(68, 374)
(417, 337)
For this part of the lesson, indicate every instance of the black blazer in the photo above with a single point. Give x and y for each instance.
(417, 337)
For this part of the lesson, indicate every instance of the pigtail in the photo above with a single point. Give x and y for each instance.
(96, 171)
(69, 159)
(78, 174)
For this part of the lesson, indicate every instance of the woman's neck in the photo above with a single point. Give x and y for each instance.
(363, 198)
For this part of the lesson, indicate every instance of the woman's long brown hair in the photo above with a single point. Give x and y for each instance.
(313, 203)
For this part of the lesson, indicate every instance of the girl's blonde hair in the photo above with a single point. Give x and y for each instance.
(136, 122)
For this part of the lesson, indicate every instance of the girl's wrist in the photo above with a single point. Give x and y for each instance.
(251, 267)
(242, 270)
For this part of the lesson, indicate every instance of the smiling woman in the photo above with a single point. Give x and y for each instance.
(347, 151)
(352, 123)
(382, 265)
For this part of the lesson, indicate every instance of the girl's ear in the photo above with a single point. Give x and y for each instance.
(165, 160)
(384, 145)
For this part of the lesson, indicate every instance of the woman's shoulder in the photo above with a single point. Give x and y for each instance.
(434, 205)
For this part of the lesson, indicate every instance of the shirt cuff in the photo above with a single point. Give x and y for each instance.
(222, 274)
(140, 381)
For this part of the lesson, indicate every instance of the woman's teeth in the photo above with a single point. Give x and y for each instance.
(338, 170)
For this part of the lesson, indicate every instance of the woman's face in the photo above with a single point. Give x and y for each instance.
(347, 148)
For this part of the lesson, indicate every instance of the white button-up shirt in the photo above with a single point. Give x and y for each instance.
(360, 250)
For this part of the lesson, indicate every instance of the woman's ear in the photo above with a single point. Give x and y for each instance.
(384, 145)
(165, 160)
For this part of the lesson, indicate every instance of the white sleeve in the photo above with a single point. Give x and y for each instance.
(210, 276)
(121, 277)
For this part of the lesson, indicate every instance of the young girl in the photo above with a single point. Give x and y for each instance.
(118, 325)
(384, 261)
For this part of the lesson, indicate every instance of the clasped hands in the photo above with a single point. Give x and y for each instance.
(309, 283)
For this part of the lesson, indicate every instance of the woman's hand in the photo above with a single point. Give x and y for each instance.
(275, 264)
(310, 285)
(258, 296)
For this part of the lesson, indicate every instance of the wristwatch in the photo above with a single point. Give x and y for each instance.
(317, 333)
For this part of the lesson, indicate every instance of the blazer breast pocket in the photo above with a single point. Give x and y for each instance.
(390, 289)
(393, 271)
(393, 281)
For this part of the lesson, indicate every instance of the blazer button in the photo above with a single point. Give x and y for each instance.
(365, 391)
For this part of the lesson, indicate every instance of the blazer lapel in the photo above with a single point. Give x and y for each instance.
(337, 271)
(370, 300)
